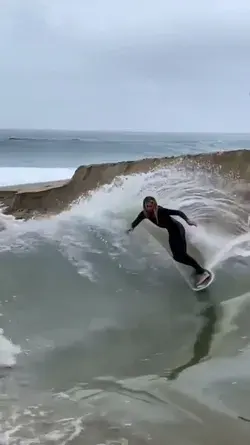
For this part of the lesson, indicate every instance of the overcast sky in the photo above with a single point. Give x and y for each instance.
(157, 65)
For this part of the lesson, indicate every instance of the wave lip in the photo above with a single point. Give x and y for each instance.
(55, 196)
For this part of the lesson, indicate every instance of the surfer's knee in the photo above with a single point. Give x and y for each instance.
(178, 256)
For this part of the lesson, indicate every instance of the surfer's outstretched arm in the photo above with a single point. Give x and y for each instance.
(181, 215)
(137, 221)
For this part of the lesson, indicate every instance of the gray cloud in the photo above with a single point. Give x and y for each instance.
(138, 65)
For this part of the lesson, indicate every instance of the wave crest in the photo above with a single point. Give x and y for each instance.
(28, 200)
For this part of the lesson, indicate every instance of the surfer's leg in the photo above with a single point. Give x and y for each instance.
(178, 247)
(186, 259)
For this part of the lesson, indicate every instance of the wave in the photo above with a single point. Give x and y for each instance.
(136, 137)
(43, 139)
(52, 196)
(88, 299)
(90, 236)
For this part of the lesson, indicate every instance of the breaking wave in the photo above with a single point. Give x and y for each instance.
(88, 295)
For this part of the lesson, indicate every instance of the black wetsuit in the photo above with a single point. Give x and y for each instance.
(177, 238)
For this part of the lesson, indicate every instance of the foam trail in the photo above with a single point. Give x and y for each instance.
(230, 309)
(8, 351)
(224, 253)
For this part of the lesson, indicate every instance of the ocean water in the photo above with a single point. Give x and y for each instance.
(101, 340)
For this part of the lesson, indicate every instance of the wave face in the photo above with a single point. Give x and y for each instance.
(52, 197)
(105, 339)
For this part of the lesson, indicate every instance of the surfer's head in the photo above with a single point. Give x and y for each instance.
(149, 205)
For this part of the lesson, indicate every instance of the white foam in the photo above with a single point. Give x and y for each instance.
(8, 351)
(230, 248)
(26, 175)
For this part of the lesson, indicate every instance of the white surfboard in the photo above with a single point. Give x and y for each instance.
(206, 283)
(161, 235)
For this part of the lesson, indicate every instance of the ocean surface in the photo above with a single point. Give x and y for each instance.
(102, 341)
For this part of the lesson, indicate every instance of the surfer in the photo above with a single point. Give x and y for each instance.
(161, 217)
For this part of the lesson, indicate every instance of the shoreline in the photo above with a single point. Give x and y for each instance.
(32, 186)
(52, 197)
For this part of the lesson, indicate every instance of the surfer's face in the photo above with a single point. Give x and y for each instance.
(150, 207)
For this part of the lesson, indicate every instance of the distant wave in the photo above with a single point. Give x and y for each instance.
(140, 138)
(12, 138)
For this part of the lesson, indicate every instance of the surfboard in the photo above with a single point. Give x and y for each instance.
(205, 284)
(161, 235)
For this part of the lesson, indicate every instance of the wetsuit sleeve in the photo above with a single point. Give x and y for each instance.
(138, 220)
(179, 213)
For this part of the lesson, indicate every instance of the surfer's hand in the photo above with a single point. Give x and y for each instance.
(129, 230)
(192, 223)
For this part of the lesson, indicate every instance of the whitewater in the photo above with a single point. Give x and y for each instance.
(101, 338)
